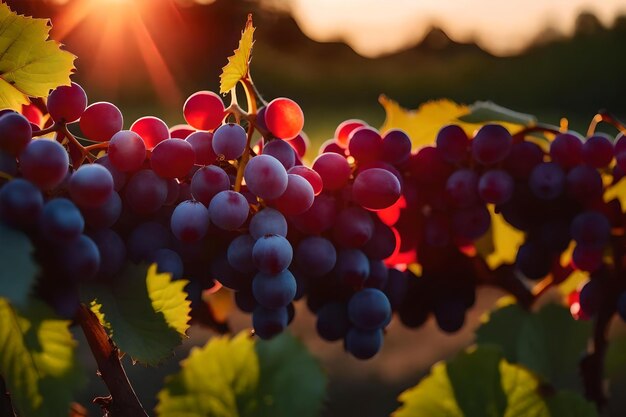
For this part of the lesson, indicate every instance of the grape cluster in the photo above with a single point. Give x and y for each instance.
(205, 204)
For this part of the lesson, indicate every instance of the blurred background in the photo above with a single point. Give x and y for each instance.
(562, 58)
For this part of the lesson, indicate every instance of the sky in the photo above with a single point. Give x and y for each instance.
(503, 27)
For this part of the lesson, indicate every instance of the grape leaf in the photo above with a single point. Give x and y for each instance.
(549, 342)
(30, 63)
(501, 243)
(292, 382)
(423, 123)
(474, 384)
(38, 360)
(487, 111)
(221, 303)
(238, 64)
(146, 313)
(19, 270)
(617, 191)
(570, 404)
(245, 377)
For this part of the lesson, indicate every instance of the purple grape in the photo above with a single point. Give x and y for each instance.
(332, 321)
(491, 144)
(67, 103)
(462, 188)
(91, 185)
(378, 275)
(352, 267)
(282, 151)
(202, 144)
(79, 259)
(172, 158)
(547, 180)
(495, 186)
(266, 177)
(364, 344)
(268, 222)
(61, 221)
(319, 217)
(396, 147)
(145, 192)
(239, 254)
(591, 229)
(105, 215)
(119, 177)
(369, 309)
(112, 251)
(376, 189)
(229, 141)
(272, 254)
(274, 291)
(168, 262)
(190, 221)
(145, 239)
(297, 198)
(365, 144)
(471, 223)
(587, 258)
(228, 210)
(127, 151)
(207, 182)
(450, 315)
(383, 242)
(598, 151)
(523, 158)
(45, 163)
(15, 133)
(334, 170)
(353, 227)
(621, 306)
(21, 203)
(584, 184)
(453, 143)
(316, 256)
(268, 322)
(566, 150)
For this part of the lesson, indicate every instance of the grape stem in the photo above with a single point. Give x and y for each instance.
(42, 132)
(251, 97)
(6, 406)
(604, 116)
(123, 401)
(543, 128)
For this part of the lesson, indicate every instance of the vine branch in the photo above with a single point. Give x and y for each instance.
(123, 401)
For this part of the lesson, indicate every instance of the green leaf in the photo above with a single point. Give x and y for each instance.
(218, 380)
(146, 313)
(486, 111)
(549, 342)
(292, 381)
(30, 63)
(570, 404)
(245, 377)
(38, 360)
(474, 384)
(18, 271)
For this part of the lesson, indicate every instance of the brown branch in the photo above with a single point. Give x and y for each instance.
(123, 401)
(6, 406)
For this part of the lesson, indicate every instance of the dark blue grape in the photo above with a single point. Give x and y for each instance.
(332, 321)
(21, 203)
(272, 254)
(268, 222)
(450, 315)
(491, 144)
(145, 239)
(268, 323)
(453, 143)
(364, 344)
(61, 220)
(190, 221)
(112, 251)
(105, 215)
(316, 256)
(547, 180)
(167, 261)
(274, 291)
(239, 254)
(369, 309)
(352, 267)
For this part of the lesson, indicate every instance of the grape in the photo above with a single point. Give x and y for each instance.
(229, 277)
(587, 258)
(190, 221)
(21, 203)
(533, 261)
(396, 287)
(268, 322)
(566, 150)
(376, 189)
(332, 321)
(204, 110)
(300, 144)
(173, 192)
(453, 143)
(428, 167)
(319, 217)
(145, 192)
(266, 177)
(495, 186)
(554, 235)
(364, 344)
(396, 147)
(260, 119)
(334, 170)
(352, 267)
(282, 151)
(450, 315)
(365, 144)
(119, 178)
(584, 184)
(621, 306)
(105, 215)
(491, 144)
(8, 164)
(342, 133)
(597, 151)
(182, 131)
(331, 146)
(268, 222)
(591, 229)
(274, 291)
(383, 242)
(620, 143)
(101, 121)
(591, 297)
(316, 256)
(91, 185)
(207, 182)
(145, 239)
(239, 254)
(471, 223)
(462, 188)
(202, 144)
(378, 274)
(523, 158)
(112, 251)
(308, 174)
(353, 227)
(297, 198)
(79, 259)
(369, 309)
(45, 163)
(151, 129)
(127, 151)
(229, 141)
(437, 231)
(228, 210)
(547, 180)
(15, 133)
(172, 158)
(245, 301)
(168, 262)
(284, 118)
(67, 103)
(272, 254)
(61, 221)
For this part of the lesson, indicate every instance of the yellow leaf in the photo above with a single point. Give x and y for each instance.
(501, 244)
(221, 303)
(30, 64)
(423, 123)
(617, 191)
(169, 298)
(238, 63)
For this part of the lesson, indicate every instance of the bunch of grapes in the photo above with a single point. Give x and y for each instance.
(206, 204)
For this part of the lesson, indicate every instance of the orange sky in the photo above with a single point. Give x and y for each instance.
(375, 27)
